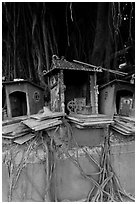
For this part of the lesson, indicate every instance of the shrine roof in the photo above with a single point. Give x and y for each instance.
(21, 82)
(63, 64)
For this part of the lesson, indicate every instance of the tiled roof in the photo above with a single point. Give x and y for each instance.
(64, 64)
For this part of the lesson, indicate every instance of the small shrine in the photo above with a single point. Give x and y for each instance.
(22, 97)
(73, 87)
(117, 98)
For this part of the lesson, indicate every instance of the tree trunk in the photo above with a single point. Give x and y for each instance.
(45, 44)
(101, 42)
(14, 47)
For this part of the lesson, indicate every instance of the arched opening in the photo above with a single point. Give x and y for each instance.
(18, 103)
(123, 96)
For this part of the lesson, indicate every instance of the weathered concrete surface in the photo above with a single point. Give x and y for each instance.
(31, 183)
(70, 184)
(88, 136)
(106, 99)
(5, 183)
(123, 163)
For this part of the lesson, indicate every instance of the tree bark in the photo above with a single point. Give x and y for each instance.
(14, 47)
(102, 41)
(45, 44)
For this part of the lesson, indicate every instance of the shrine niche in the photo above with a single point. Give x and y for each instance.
(117, 97)
(22, 98)
(73, 87)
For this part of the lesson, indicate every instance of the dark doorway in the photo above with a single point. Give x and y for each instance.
(77, 86)
(18, 103)
(119, 95)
